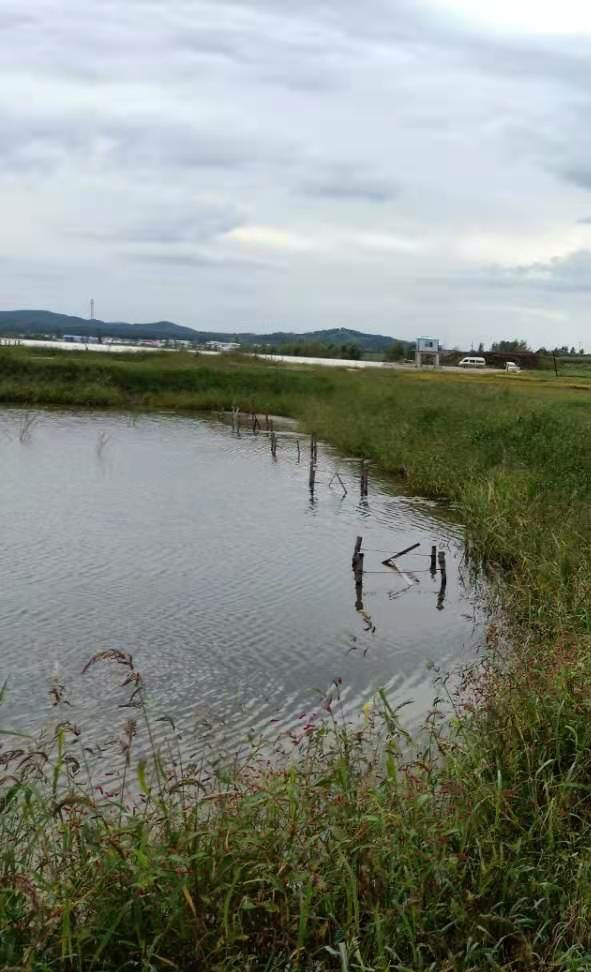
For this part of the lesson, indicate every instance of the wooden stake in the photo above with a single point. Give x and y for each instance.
(312, 477)
(356, 552)
(388, 562)
(299, 452)
(433, 559)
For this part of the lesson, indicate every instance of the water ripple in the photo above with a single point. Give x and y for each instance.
(192, 549)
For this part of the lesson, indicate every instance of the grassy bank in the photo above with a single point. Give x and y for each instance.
(474, 853)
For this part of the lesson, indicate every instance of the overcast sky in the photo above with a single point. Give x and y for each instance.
(409, 167)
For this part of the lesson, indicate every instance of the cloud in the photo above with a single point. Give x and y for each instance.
(580, 177)
(345, 182)
(566, 274)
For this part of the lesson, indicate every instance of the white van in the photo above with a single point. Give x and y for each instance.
(473, 363)
(511, 368)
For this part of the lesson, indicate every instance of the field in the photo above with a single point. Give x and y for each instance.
(467, 849)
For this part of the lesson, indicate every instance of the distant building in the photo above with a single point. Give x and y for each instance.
(80, 339)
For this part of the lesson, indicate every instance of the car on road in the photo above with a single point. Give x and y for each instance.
(472, 362)
(511, 368)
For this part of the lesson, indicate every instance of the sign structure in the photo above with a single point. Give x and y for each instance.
(427, 347)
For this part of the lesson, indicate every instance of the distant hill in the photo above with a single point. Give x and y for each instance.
(28, 322)
(23, 322)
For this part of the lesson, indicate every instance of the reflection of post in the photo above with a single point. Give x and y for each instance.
(274, 445)
(313, 449)
(433, 561)
(299, 453)
(359, 583)
(443, 585)
(312, 477)
(255, 423)
(364, 477)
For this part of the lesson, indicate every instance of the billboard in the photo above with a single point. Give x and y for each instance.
(428, 344)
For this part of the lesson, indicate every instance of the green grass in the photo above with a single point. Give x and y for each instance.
(467, 849)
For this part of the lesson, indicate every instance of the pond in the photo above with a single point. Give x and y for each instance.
(192, 548)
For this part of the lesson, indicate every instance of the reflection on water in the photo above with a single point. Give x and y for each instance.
(219, 567)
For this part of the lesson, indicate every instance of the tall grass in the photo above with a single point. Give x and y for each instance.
(467, 849)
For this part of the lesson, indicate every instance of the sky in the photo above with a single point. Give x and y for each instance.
(405, 167)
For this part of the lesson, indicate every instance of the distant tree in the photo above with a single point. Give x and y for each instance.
(351, 351)
(396, 352)
(515, 345)
(573, 351)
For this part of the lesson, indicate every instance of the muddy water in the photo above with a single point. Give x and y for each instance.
(191, 548)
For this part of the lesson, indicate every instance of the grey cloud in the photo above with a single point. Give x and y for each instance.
(580, 177)
(571, 273)
(152, 143)
(418, 27)
(202, 224)
(197, 260)
(345, 182)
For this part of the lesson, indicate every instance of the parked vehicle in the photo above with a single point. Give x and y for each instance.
(473, 363)
(511, 368)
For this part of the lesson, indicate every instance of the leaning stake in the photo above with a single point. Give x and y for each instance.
(388, 561)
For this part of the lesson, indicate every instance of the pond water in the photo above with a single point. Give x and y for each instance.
(190, 547)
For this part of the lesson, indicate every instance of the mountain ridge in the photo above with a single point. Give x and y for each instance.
(27, 322)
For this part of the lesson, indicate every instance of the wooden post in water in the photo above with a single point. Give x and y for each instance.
(274, 445)
(267, 423)
(356, 552)
(433, 560)
(313, 458)
(299, 453)
(255, 423)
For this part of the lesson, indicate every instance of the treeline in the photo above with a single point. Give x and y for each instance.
(315, 349)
